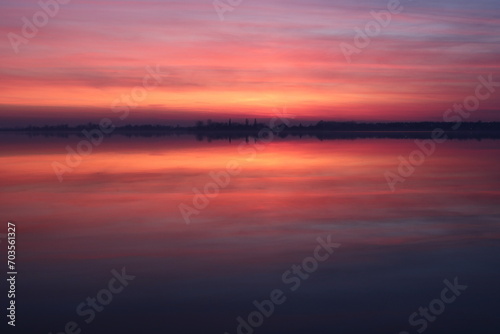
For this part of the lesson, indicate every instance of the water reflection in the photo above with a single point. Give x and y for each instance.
(120, 207)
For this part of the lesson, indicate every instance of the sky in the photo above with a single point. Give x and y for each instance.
(90, 59)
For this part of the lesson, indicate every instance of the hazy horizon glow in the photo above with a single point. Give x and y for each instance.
(265, 55)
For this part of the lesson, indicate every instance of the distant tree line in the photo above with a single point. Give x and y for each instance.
(249, 130)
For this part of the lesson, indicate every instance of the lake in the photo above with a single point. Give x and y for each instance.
(292, 236)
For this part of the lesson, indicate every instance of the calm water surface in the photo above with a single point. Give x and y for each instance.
(120, 208)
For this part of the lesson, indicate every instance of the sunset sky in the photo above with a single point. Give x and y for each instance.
(264, 55)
